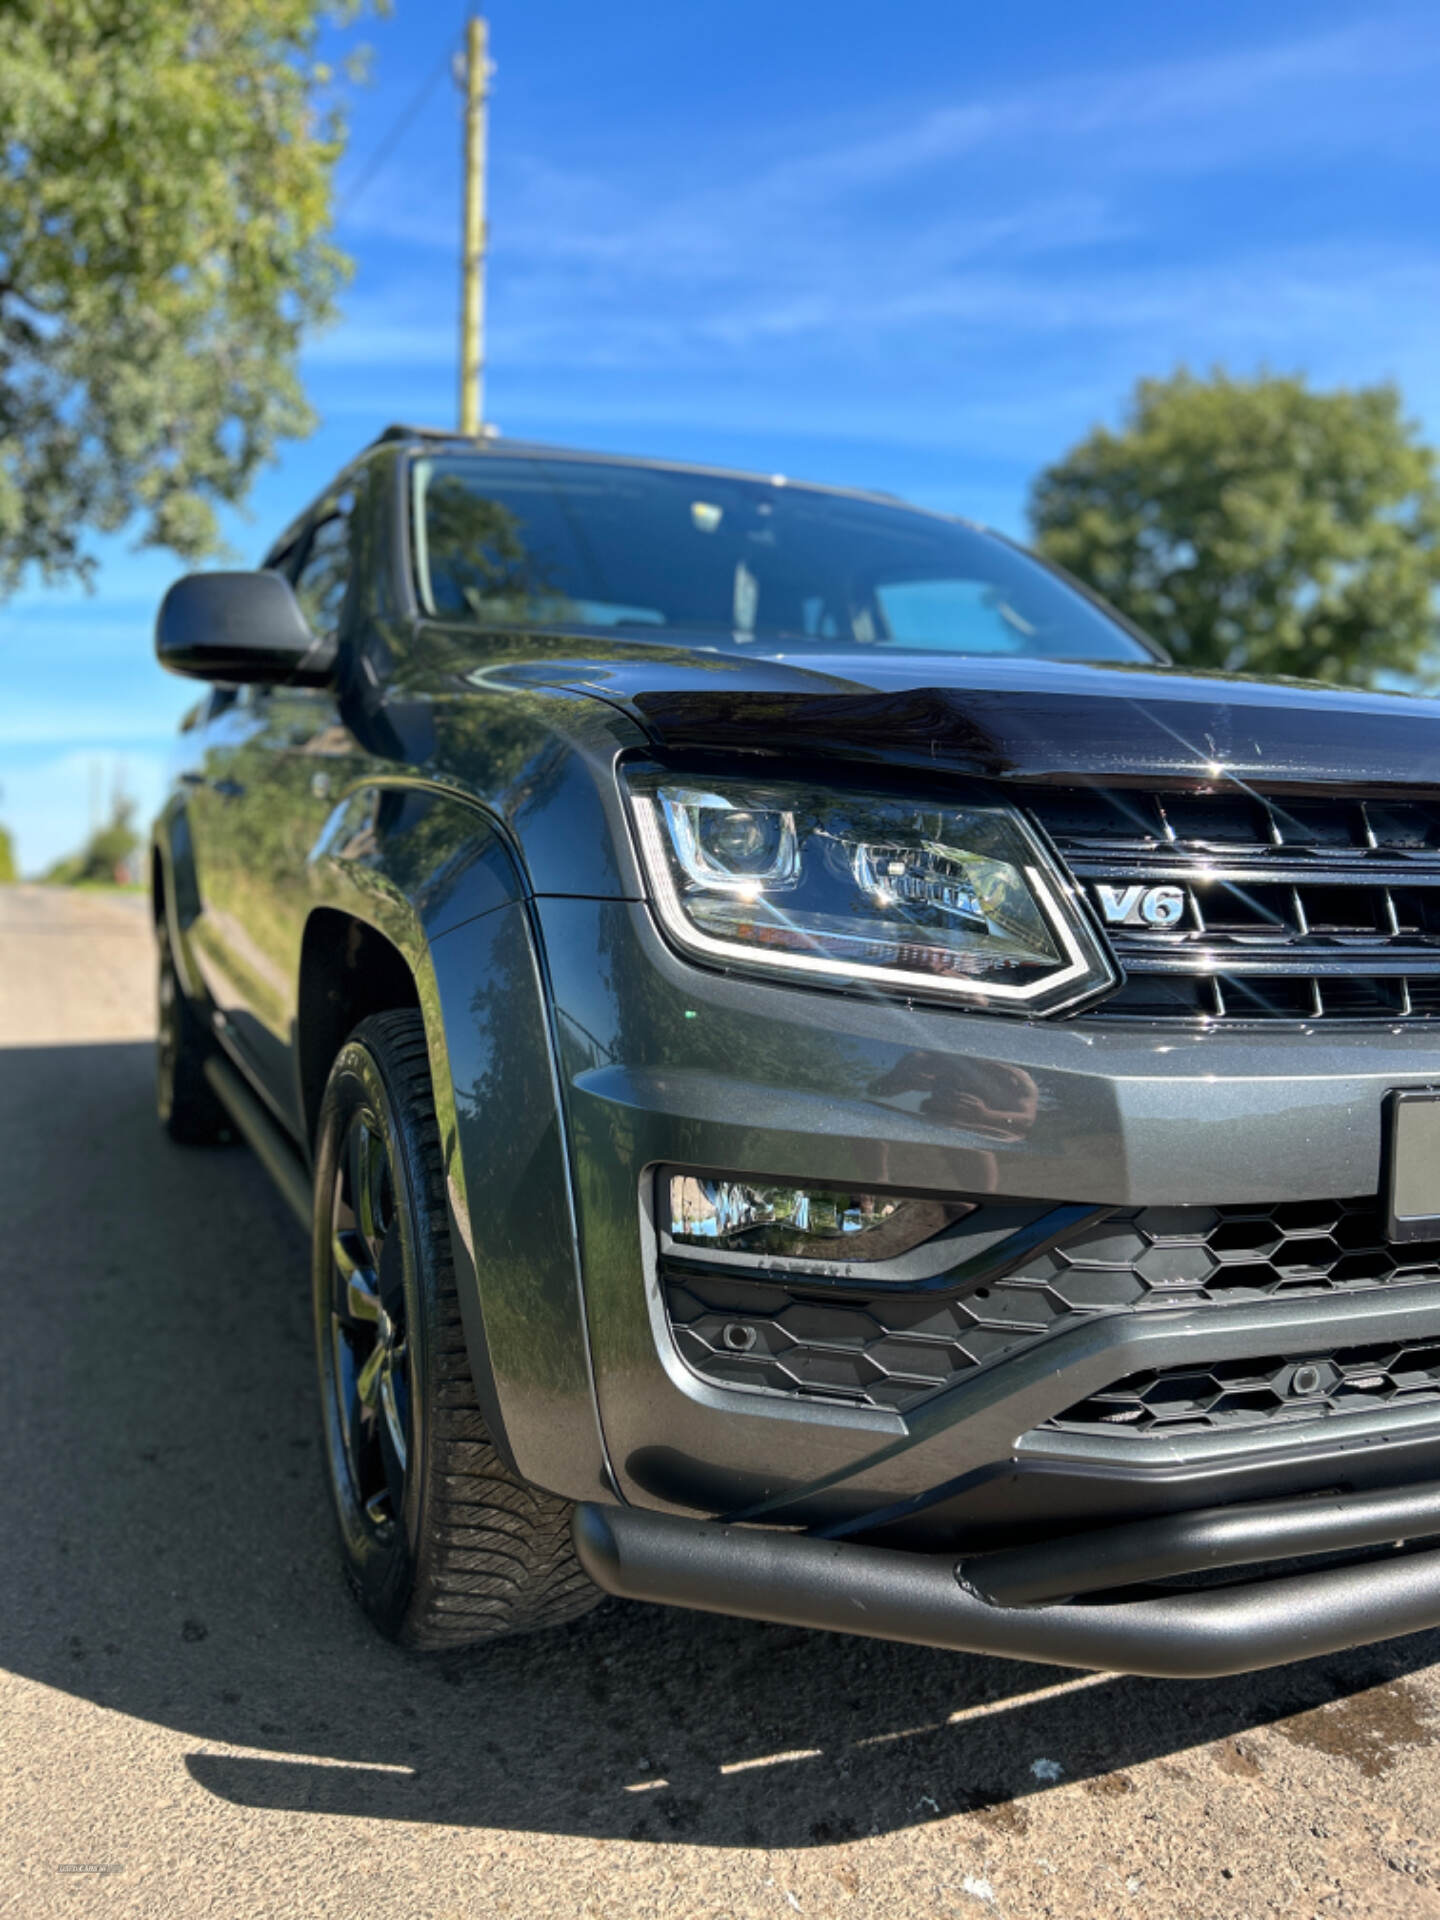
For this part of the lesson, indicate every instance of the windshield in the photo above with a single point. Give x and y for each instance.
(711, 560)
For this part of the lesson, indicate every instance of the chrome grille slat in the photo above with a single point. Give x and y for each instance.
(1164, 864)
(1297, 907)
(1302, 960)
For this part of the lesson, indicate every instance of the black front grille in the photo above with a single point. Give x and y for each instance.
(775, 1333)
(1229, 1394)
(1291, 909)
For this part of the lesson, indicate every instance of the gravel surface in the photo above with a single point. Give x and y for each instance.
(194, 1720)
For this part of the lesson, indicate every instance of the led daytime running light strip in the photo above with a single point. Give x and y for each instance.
(1078, 967)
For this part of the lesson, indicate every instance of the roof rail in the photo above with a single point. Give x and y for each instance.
(400, 430)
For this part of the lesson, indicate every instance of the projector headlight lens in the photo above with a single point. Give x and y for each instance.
(851, 889)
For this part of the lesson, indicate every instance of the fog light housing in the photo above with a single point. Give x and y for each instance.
(734, 1215)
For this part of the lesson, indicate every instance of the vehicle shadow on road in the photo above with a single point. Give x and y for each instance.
(168, 1556)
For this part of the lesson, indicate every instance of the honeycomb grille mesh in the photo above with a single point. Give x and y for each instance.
(874, 1351)
(1258, 1392)
(775, 1334)
(1165, 1256)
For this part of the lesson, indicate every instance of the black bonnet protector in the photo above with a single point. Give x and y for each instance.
(1024, 720)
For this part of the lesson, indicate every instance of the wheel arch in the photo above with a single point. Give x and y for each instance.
(349, 969)
(175, 888)
(421, 900)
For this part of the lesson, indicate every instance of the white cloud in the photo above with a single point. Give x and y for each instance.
(1313, 93)
(955, 258)
(372, 337)
(1278, 303)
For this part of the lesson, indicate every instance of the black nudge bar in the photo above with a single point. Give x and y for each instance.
(998, 1603)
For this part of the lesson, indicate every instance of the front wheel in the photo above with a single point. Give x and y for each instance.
(442, 1543)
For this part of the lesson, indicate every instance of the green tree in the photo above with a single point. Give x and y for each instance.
(165, 190)
(8, 870)
(1256, 524)
(106, 855)
(109, 850)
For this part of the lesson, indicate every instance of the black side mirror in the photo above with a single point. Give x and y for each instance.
(240, 627)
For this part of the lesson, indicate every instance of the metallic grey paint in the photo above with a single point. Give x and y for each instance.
(468, 813)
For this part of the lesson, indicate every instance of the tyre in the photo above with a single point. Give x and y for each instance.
(184, 1099)
(442, 1544)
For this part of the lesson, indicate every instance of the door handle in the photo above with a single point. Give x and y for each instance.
(189, 778)
(228, 789)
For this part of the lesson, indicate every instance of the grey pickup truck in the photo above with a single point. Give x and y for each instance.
(825, 1080)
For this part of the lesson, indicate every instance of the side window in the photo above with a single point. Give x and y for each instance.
(324, 573)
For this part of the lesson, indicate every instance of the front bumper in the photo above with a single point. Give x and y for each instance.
(662, 1063)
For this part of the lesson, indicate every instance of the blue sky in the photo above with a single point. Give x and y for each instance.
(922, 248)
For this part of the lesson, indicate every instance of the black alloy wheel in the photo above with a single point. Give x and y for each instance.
(186, 1103)
(442, 1543)
(369, 1368)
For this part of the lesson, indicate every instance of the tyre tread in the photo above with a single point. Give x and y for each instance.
(526, 1576)
(190, 1112)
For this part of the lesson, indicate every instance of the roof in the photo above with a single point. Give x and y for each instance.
(401, 430)
(490, 442)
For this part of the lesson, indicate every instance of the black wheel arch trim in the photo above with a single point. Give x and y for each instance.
(471, 916)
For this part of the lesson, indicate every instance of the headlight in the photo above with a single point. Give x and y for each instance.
(954, 902)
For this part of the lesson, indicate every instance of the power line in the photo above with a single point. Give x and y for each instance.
(399, 127)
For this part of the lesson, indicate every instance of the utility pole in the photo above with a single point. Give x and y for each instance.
(472, 300)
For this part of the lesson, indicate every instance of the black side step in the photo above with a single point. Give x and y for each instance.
(803, 1581)
(266, 1138)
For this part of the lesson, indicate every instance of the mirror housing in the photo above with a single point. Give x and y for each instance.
(240, 627)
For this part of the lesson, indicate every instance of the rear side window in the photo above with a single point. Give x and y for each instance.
(324, 574)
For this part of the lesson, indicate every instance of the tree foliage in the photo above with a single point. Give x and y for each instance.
(1257, 524)
(9, 872)
(165, 190)
(108, 854)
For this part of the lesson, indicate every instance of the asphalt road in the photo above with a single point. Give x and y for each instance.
(195, 1721)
